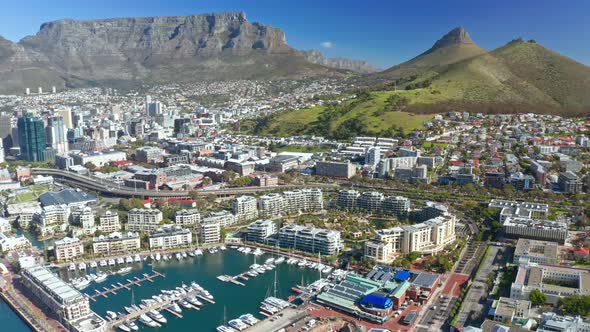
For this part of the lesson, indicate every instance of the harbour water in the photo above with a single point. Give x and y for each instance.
(231, 300)
(9, 321)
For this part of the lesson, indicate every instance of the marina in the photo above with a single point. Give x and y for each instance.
(197, 309)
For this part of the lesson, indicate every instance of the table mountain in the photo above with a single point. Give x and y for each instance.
(157, 50)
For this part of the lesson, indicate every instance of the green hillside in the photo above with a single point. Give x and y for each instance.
(374, 113)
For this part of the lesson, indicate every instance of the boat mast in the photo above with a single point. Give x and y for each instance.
(275, 284)
(320, 263)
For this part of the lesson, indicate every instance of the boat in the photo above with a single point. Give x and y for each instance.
(175, 307)
(72, 267)
(100, 277)
(129, 260)
(185, 304)
(223, 328)
(279, 260)
(178, 256)
(247, 251)
(191, 253)
(249, 319)
(268, 309)
(111, 262)
(196, 286)
(157, 316)
(137, 258)
(125, 270)
(111, 315)
(165, 257)
(327, 269)
(129, 310)
(81, 283)
(194, 301)
(131, 324)
(256, 252)
(241, 249)
(93, 264)
(103, 263)
(124, 328)
(199, 252)
(269, 261)
(237, 324)
(158, 257)
(148, 321)
(120, 260)
(222, 248)
(302, 263)
(184, 254)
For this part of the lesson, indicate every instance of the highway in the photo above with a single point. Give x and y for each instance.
(111, 189)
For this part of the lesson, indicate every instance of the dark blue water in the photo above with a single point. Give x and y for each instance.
(235, 299)
(9, 321)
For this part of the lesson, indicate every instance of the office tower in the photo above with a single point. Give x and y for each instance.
(31, 131)
(66, 114)
(56, 134)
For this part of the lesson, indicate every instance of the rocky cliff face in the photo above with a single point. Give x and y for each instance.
(357, 66)
(150, 50)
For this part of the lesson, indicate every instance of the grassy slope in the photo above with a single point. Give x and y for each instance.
(292, 123)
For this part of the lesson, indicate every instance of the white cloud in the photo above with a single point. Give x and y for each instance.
(327, 44)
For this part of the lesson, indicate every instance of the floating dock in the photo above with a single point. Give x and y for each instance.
(114, 288)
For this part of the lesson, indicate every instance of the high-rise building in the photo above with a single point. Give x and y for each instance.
(57, 134)
(32, 141)
(66, 114)
(373, 156)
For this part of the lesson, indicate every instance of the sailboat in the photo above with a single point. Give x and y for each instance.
(223, 328)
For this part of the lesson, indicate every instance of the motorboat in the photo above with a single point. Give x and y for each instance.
(111, 262)
(100, 277)
(185, 304)
(137, 258)
(157, 316)
(148, 321)
(120, 260)
(131, 324)
(302, 263)
(256, 252)
(111, 315)
(222, 248)
(103, 263)
(237, 324)
(199, 252)
(194, 301)
(93, 265)
(247, 251)
(279, 260)
(178, 256)
(129, 260)
(125, 270)
(166, 257)
(269, 261)
(184, 254)
(158, 257)
(129, 310)
(268, 309)
(175, 307)
(72, 267)
(81, 283)
(191, 253)
(249, 319)
(223, 328)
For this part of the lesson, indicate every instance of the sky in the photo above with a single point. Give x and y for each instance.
(384, 33)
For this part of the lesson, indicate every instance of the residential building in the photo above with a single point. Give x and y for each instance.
(309, 239)
(303, 200)
(189, 217)
(347, 199)
(56, 134)
(271, 205)
(534, 251)
(9, 243)
(68, 248)
(170, 237)
(51, 219)
(223, 218)
(108, 222)
(370, 202)
(60, 297)
(244, 208)
(83, 217)
(144, 220)
(506, 309)
(265, 180)
(335, 169)
(373, 156)
(5, 226)
(210, 232)
(149, 154)
(260, 230)
(397, 206)
(569, 182)
(116, 243)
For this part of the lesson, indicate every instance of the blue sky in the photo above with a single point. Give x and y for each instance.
(383, 32)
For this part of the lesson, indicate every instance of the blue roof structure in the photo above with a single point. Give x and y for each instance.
(66, 196)
(402, 276)
(376, 301)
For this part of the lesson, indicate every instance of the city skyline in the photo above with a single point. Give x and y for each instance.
(375, 32)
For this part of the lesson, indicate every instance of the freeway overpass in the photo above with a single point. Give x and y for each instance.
(108, 188)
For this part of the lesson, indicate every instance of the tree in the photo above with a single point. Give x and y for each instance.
(90, 166)
(223, 233)
(537, 297)
(228, 176)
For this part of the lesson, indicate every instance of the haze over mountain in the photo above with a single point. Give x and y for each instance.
(357, 66)
(151, 49)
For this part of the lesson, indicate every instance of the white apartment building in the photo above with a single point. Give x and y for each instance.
(144, 220)
(397, 206)
(210, 232)
(347, 199)
(116, 244)
(189, 217)
(370, 201)
(170, 237)
(83, 217)
(296, 201)
(260, 230)
(68, 248)
(428, 237)
(5, 226)
(536, 229)
(108, 222)
(52, 219)
(244, 208)
(223, 218)
(310, 239)
(9, 243)
(271, 205)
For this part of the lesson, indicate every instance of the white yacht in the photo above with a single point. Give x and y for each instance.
(131, 324)
(249, 319)
(120, 260)
(184, 254)
(93, 265)
(129, 260)
(158, 257)
(82, 266)
(199, 252)
(279, 260)
(100, 277)
(103, 263)
(157, 316)
(111, 262)
(124, 328)
(137, 259)
(148, 321)
(256, 252)
(237, 324)
(72, 267)
(223, 328)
